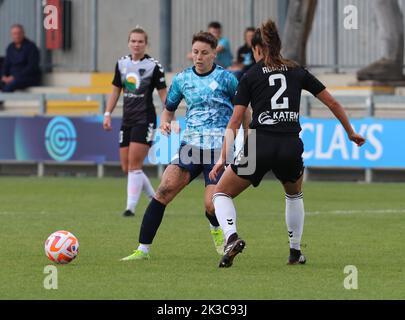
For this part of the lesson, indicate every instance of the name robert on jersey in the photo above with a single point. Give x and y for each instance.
(274, 117)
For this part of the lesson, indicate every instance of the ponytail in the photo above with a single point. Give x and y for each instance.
(272, 46)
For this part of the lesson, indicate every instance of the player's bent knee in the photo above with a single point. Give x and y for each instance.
(292, 189)
(219, 194)
(165, 194)
(135, 165)
(219, 189)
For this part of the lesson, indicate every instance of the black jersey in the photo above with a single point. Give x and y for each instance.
(245, 56)
(138, 80)
(275, 96)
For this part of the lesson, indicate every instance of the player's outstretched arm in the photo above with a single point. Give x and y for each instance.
(111, 103)
(229, 138)
(325, 97)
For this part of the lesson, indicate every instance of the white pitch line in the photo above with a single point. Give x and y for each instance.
(313, 213)
(20, 212)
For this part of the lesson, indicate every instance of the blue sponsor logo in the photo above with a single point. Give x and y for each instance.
(60, 138)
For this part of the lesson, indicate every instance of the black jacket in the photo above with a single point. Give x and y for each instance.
(22, 62)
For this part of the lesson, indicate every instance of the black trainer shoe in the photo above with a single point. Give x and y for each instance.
(296, 257)
(231, 250)
(128, 213)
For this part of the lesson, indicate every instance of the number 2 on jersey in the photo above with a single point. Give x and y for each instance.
(280, 91)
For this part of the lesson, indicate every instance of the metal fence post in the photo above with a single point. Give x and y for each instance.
(160, 170)
(370, 105)
(100, 170)
(94, 35)
(40, 169)
(250, 12)
(166, 33)
(102, 103)
(305, 175)
(42, 104)
(335, 26)
(370, 112)
(368, 175)
(282, 9)
(306, 106)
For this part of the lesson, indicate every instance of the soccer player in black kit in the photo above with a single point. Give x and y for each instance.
(137, 74)
(273, 88)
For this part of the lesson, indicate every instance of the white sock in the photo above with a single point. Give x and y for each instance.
(134, 188)
(226, 213)
(294, 218)
(144, 247)
(147, 186)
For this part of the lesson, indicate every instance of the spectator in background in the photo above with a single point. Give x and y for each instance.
(224, 53)
(21, 64)
(244, 59)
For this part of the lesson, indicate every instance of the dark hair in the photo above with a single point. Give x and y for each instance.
(250, 29)
(215, 25)
(205, 37)
(271, 44)
(257, 39)
(140, 31)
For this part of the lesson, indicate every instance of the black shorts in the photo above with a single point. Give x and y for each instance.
(141, 133)
(277, 152)
(196, 161)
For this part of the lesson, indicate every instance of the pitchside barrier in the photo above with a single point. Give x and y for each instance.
(71, 140)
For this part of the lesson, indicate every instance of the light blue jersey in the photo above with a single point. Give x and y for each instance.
(209, 104)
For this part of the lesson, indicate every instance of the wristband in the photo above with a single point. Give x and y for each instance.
(107, 114)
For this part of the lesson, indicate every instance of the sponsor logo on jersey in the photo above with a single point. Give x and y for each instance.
(265, 118)
(132, 81)
(131, 95)
(213, 85)
(277, 117)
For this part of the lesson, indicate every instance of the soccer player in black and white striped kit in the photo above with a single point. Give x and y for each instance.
(137, 75)
(273, 88)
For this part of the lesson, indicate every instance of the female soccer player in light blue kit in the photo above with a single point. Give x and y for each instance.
(207, 90)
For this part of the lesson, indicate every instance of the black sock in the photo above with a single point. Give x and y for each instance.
(212, 219)
(151, 221)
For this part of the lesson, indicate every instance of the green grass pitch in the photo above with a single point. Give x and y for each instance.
(346, 224)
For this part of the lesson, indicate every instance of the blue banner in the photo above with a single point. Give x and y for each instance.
(83, 139)
(326, 143)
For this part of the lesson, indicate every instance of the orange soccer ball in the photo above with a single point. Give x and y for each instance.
(61, 247)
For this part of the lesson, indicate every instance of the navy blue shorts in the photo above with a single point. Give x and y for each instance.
(196, 160)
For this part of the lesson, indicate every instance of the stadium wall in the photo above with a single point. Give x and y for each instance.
(17, 11)
(353, 48)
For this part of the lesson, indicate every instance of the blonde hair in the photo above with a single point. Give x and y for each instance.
(140, 30)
